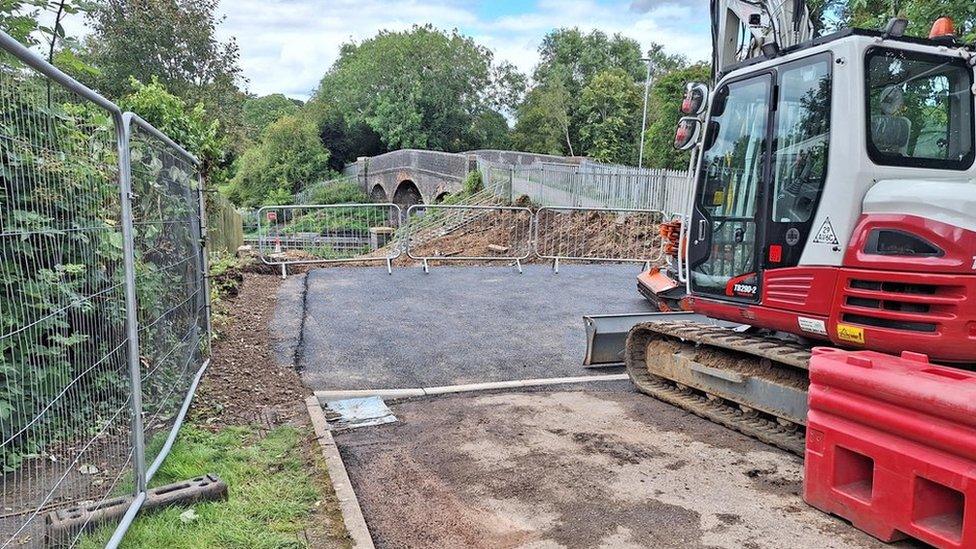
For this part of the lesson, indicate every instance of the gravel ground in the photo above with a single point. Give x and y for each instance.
(365, 329)
(590, 468)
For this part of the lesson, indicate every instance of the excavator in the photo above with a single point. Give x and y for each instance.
(833, 204)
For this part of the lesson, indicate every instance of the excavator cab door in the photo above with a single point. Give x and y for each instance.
(725, 236)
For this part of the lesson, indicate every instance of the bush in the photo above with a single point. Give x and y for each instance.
(338, 193)
(186, 126)
(473, 183)
(289, 156)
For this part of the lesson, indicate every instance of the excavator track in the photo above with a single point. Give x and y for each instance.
(752, 384)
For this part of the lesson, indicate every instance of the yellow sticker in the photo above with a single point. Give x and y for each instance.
(850, 333)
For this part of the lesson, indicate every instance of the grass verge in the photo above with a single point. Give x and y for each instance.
(274, 501)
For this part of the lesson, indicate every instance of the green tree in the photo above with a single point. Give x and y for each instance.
(174, 41)
(610, 106)
(421, 88)
(289, 156)
(489, 130)
(545, 119)
(569, 60)
(830, 15)
(346, 141)
(19, 19)
(190, 127)
(40, 23)
(663, 113)
(260, 112)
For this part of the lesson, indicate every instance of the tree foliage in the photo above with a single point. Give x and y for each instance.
(545, 118)
(551, 119)
(610, 106)
(289, 156)
(173, 41)
(663, 113)
(260, 112)
(874, 14)
(187, 126)
(421, 88)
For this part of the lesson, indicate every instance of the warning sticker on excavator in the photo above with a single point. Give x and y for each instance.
(852, 334)
(826, 234)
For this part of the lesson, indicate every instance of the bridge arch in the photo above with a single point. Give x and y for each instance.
(441, 197)
(407, 194)
(378, 194)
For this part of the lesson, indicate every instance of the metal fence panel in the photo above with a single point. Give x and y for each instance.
(100, 251)
(171, 283)
(478, 233)
(600, 186)
(333, 233)
(598, 234)
(65, 416)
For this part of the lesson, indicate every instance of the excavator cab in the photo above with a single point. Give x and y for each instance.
(833, 204)
(829, 184)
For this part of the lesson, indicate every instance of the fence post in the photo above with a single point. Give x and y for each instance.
(123, 134)
(205, 256)
(511, 184)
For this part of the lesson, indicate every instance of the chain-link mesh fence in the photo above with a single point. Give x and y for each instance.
(82, 263)
(171, 289)
(65, 412)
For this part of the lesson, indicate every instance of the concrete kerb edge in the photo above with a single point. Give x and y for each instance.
(399, 394)
(352, 513)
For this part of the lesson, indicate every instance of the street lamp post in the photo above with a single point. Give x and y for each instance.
(647, 90)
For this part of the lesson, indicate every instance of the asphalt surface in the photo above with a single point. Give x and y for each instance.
(365, 329)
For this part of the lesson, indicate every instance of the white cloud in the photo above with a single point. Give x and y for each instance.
(287, 45)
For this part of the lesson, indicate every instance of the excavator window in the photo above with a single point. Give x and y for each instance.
(920, 110)
(801, 139)
(731, 177)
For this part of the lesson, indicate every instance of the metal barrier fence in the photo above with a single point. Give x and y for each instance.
(598, 234)
(334, 233)
(479, 233)
(104, 311)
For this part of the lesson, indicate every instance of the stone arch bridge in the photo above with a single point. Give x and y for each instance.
(409, 176)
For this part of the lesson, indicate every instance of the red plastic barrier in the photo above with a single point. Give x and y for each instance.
(891, 445)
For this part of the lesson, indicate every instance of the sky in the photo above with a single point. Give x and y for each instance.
(287, 45)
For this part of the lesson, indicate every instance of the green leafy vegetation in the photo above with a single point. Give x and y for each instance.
(289, 156)
(261, 112)
(188, 126)
(473, 182)
(341, 192)
(174, 42)
(420, 88)
(272, 486)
